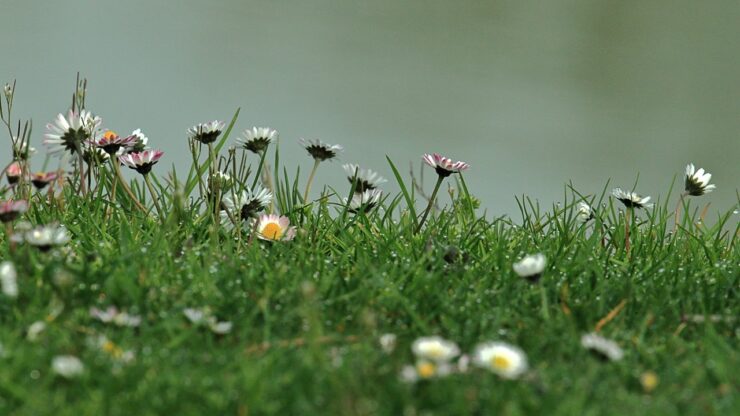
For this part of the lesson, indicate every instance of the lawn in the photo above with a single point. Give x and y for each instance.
(221, 309)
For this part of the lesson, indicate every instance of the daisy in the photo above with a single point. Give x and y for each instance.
(41, 179)
(47, 236)
(604, 348)
(21, 149)
(34, 330)
(67, 366)
(113, 315)
(319, 150)
(8, 279)
(697, 181)
(502, 359)
(531, 267)
(111, 143)
(366, 179)
(585, 212)
(10, 210)
(631, 199)
(444, 166)
(143, 161)
(365, 201)
(140, 144)
(203, 316)
(13, 173)
(257, 139)
(206, 132)
(435, 349)
(425, 370)
(387, 342)
(274, 228)
(248, 203)
(68, 133)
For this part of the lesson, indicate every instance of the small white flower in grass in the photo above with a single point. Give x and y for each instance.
(203, 316)
(585, 212)
(9, 279)
(70, 132)
(602, 347)
(220, 327)
(206, 132)
(113, 315)
(8, 91)
(274, 228)
(444, 166)
(387, 342)
(319, 150)
(245, 205)
(47, 236)
(195, 315)
(35, 330)
(366, 179)
(67, 366)
(435, 349)
(425, 370)
(141, 162)
(631, 199)
(502, 359)
(531, 267)
(257, 139)
(365, 201)
(697, 181)
(463, 364)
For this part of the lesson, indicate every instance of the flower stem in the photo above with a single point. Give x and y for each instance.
(627, 215)
(125, 186)
(679, 205)
(310, 179)
(431, 203)
(545, 304)
(154, 197)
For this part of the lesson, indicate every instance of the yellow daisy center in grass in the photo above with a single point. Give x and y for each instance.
(500, 362)
(272, 231)
(425, 370)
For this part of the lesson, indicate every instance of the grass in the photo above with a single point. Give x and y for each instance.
(307, 314)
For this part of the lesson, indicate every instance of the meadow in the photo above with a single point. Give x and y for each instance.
(241, 287)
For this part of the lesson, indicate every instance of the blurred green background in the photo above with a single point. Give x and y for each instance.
(531, 93)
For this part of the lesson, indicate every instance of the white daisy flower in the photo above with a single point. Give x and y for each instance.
(585, 212)
(319, 150)
(8, 279)
(67, 366)
(113, 315)
(631, 199)
(425, 370)
(246, 204)
(203, 316)
(435, 349)
(444, 166)
(502, 359)
(387, 342)
(47, 236)
(697, 181)
(366, 178)
(70, 132)
(531, 267)
(365, 201)
(603, 347)
(35, 330)
(257, 139)
(274, 228)
(140, 144)
(206, 132)
(141, 162)
(220, 327)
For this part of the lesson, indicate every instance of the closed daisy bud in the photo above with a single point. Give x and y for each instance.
(444, 166)
(502, 359)
(602, 347)
(321, 151)
(631, 199)
(13, 173)
(274, 228)
(531, 267)
(435, 349)
(585, 212)
(697, 181)
(8, 279)
(206, 132)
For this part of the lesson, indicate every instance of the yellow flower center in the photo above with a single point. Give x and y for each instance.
(500, 362)
(272, 231)
(425, 369)
(109, 346)
(110, 135)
